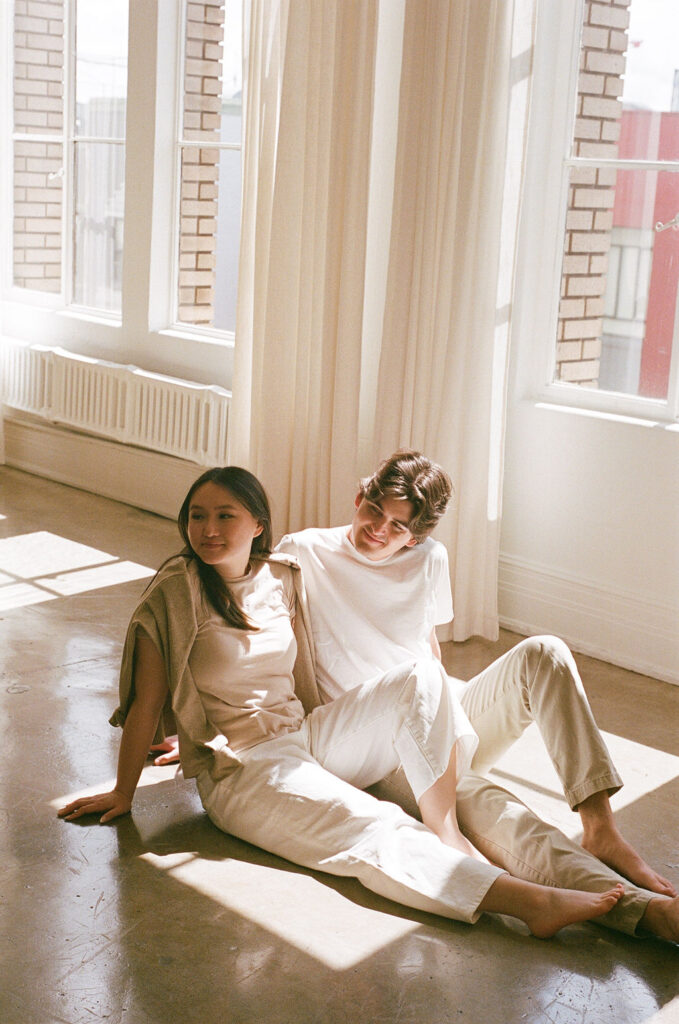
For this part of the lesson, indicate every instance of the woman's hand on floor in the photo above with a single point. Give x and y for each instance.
(113, 804)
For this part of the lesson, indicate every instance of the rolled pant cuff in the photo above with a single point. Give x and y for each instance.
(610, 782)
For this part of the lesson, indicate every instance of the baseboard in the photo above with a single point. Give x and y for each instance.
(621, 628)
(135, 476)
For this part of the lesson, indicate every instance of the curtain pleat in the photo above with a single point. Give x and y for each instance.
(438, 363)
(297, 363)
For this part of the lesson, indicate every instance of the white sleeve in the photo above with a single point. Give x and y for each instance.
(443, 598)
(287, 545)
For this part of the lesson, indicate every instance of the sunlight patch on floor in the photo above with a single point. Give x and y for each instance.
(527, 771)
(295, 907)
(37, 567)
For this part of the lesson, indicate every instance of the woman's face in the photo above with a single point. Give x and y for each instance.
(221, 530)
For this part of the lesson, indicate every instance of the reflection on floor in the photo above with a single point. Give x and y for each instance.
(162, 918)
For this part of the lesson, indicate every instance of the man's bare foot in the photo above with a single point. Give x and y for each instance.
(561, 907)
(608, 845)
(661, 919)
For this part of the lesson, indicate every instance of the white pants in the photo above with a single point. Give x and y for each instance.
(301, 796)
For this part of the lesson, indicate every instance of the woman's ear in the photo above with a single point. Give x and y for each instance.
(259, 529)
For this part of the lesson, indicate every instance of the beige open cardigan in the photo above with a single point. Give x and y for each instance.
(167, 614)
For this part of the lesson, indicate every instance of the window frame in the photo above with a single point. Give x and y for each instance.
(147, 333)
(548, 163)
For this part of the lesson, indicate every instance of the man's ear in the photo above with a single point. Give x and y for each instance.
(358, 499)
(411, 543)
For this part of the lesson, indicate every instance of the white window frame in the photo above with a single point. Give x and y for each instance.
(146, 335)
(543, 223)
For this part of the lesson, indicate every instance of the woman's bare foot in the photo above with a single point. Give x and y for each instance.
(608, 845)
(546, 910)
(661, 919)
(562, 907)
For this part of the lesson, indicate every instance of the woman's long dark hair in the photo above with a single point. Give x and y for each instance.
(246, 489)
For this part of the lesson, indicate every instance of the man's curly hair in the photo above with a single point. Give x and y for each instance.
(410, 475)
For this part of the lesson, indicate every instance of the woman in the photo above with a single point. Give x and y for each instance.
(215, 639)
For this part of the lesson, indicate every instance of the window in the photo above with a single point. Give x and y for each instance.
(69, 153)
(209, 151)
(617, 322)
(123, 187)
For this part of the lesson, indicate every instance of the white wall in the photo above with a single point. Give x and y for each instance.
(590, 538)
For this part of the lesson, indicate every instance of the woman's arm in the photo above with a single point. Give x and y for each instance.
(150, 692)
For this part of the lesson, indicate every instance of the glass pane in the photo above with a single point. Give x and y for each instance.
(38, 177)
(617, 318)
(209, 236)
(39, 67)
(98, 229)
(213, 76)
(228, 240)
(101, 68)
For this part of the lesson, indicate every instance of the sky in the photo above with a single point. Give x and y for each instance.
(653, 54)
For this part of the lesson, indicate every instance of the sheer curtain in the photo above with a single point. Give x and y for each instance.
(442, 377)
(308, 114)
(463, 79)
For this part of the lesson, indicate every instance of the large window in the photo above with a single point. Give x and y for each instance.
(124, 188)
(618, 324)
(70, 81)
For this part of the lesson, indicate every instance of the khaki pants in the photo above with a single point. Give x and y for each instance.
(538, 681)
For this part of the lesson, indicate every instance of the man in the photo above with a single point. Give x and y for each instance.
(377, 589)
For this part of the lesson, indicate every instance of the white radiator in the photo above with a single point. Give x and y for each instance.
(121, 403)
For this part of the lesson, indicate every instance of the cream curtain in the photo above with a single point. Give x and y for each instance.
(307, 160)
(463, 81)
(443, 364)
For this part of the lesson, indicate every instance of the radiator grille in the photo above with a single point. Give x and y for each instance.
(121, 403)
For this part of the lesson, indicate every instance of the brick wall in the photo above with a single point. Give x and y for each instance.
(38, 110)
(200, 166)
(589, 217)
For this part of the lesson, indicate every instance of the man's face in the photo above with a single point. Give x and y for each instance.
(380, 528)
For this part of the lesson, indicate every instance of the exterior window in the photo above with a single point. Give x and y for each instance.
(209, 157)
(618, 321)
(69, 157)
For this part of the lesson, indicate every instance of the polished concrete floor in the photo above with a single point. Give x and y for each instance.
(161, 918)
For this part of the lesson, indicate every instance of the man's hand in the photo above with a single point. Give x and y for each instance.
(113, 804)
(169, 751)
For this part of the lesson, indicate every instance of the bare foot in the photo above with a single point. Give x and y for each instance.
(546, 910)
(661, 919)
(610, 848)
(556, 908)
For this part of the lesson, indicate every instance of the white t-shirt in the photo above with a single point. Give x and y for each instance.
(244, 677)
(368, 617)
